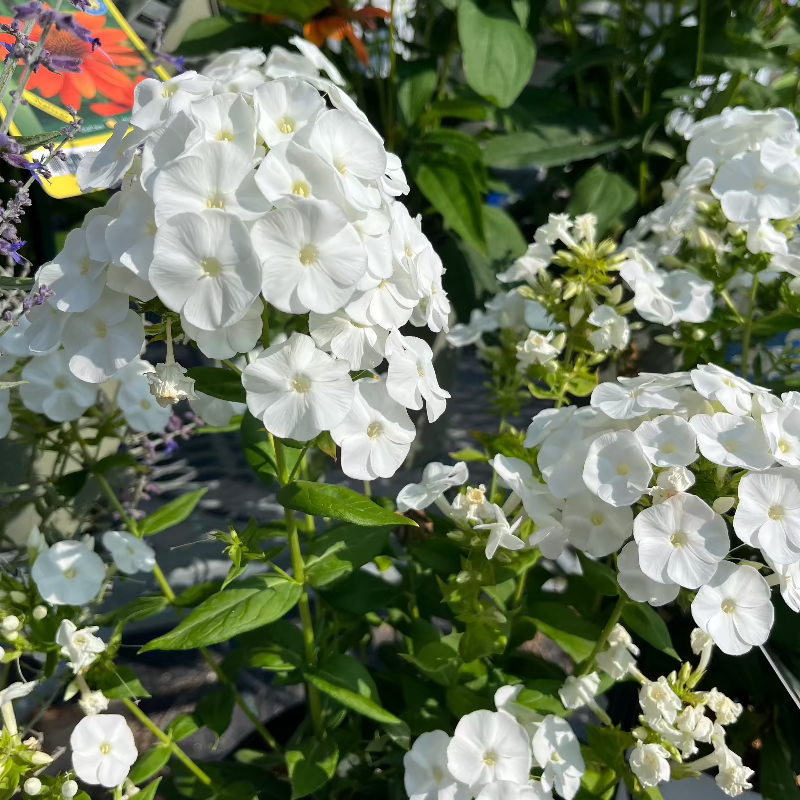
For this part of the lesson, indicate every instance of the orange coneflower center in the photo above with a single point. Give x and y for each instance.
(61, 43)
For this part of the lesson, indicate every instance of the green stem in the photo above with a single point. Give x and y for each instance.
(265, 324)
(647, 98)
(159, 734)
(606, 632)
(726, 296)
(701, 36)
(10, 63)
(572, 38)
(296, 467)
(748, 327)
(111, 494)
(304, 605)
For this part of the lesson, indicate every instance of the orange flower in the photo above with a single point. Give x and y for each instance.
(99, 73)
(335, 22)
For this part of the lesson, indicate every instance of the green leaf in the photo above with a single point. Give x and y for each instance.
(575, 635)
(259, 451)
(149, 792)
(150, 763)
(248, 605)
(117, 682)
(449, 186)
(16, 283)
(28, 143)
(551, 147)
(498, 54)
(355, 545)
(605, 194)
(141, 608)
(112, 462)
(172, 513)
(642, 619)
(219, 33)
(776, 776)
(10, 384)
(348, 682)
(312, 766)
(70, 485)
(223, 384)
(182, 727)
(338, 502)
(215, 709)
(611, 745)
(600, 577)
(361, 593)
(416, 84)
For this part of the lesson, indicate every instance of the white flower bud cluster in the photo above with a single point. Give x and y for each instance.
(259, 181)
(515, 311)
(491, 754)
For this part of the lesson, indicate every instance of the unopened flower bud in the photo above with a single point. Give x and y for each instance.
(10, 623)
(32, 786)
(559, 341)
(18, 597)
(615, 295)
(13, 636)
(40, 612)
(576, 313)
(40, 758)
(570, 291)
(69, 789)
(698, 334)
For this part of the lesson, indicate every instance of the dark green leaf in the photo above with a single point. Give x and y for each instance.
(28, 143)
(69, 485)
(348, 682)
(360, 594)
(142, 608)
(610, 744)
(182, 727)
(215, 709)
(642, 619)
(338, 502)
(298, 10)
(117, 682)
(551, 147)
(172, 513)
(112, 462)
(248, 605)
(776, 776)
(416, 83)
(600, 577)
(449, 186)
(605, 194)
(575, 635)
(498, 54)
(224, 384)
(312, 766)
(150, 763)
(149, 792)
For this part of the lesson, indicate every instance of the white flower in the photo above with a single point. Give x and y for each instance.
(637, 585)
(505, 700)
(594, 526)
(547, 422)
(733, 777)
(53, 390)
(579, 690)
(103, 749)
(312, 257)
(734, 608)
(658, 701)
(73, 275)
(427, 776)
(107, 166)
(667, 441)
(508, 790)
(204, 267)
(489, 746)
(558, 752)
(463, 334)
(680, 541)
(528, 266)
(411, 377)
(353, 152)
(68, 573)
(14, 691)
(726, 710)
(154, 101)
(649, 763)
(169, 384)
(550, 539)
(561, 460)
(672, 481)
(224, 118)
(80, 646)
(360, 345)
(210, 176)
(616, 468)
(316, 58)
(517, 475)
(130, 553)
(693, 720)
(237, 70)
(731, 441)
(749, 192)
(92, 703)
(718, 385)
(376, 434)
(613, 329)
(283, 107)
(103, 339)
(619, 658)
(699, 641)
(787, 577)
(782, 429)
(768, 514)
(634, 398)
(763, 238)
(297, 390)
(437, 478)
(692, 298)
(537, 349)
(240, 337)
(130, 236)
(501, 533)
(471, 506)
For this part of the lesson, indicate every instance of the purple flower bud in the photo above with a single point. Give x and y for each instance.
(172, 447)
(28, 11)
(8, 145)
(82, 5)
(59, 64)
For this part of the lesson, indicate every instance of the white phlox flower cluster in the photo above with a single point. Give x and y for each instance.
(493, 755)
(561, 241)
(257, 183)
(740, 189)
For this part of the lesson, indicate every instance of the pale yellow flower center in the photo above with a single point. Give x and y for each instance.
(286, 125)
(729, 606)
(211, 267)
(374, 430)
(623, 469)
(301, 189)
(105, 748)
(678, 539)
(225, 136)
(301, 383)
(597, 519)
(308, 255)
(775, 512)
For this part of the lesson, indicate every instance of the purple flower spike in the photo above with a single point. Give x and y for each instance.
(27, 11)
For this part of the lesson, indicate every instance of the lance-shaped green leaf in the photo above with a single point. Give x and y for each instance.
(172, 513)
